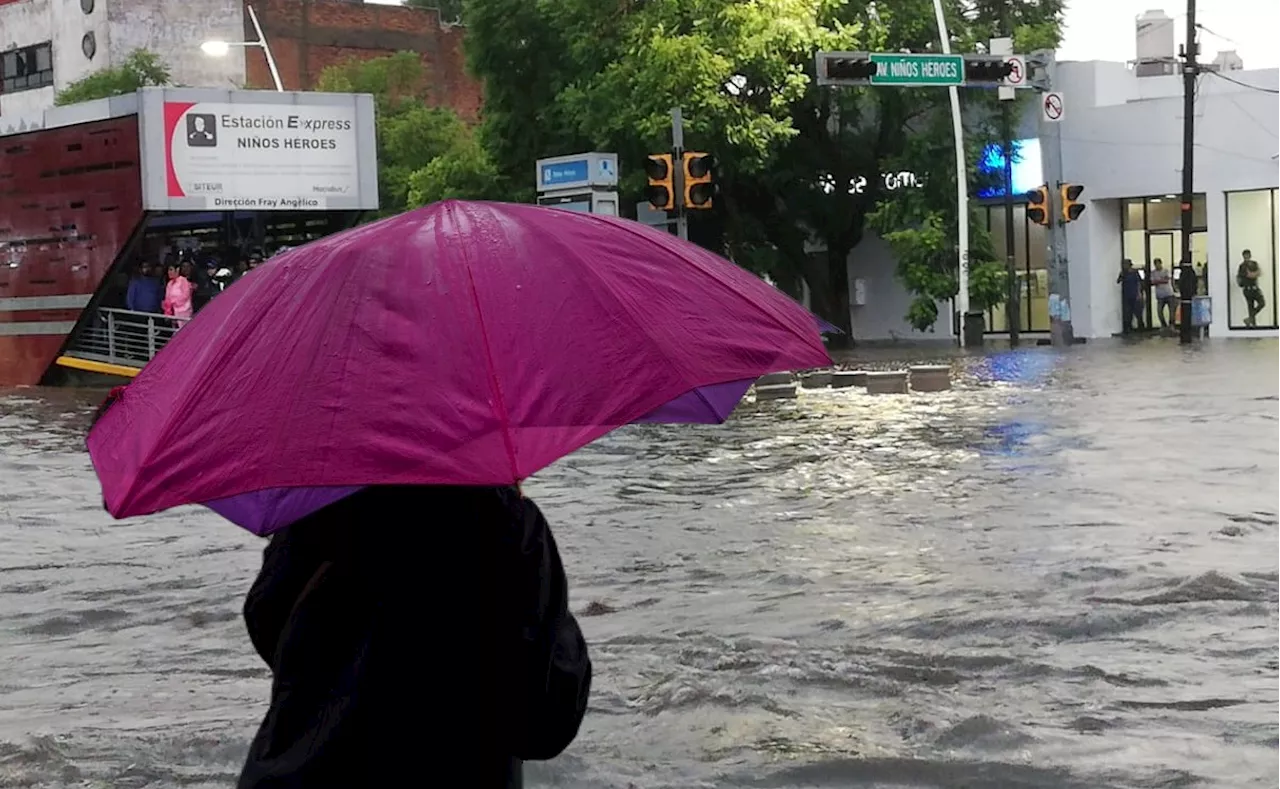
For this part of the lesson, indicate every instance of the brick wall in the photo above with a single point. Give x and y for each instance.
(306, 36)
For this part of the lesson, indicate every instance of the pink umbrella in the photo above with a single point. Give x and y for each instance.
(461, 343)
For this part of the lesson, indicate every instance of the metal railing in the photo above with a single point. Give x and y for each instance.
(124, 337)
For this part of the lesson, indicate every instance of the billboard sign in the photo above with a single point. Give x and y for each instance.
(257, 150)
(577, 171)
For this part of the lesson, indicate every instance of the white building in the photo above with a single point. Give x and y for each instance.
(47, 44)
(1121, 137)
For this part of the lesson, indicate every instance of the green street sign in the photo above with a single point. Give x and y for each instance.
(894, 69)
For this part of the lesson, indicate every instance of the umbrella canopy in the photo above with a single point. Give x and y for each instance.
(461, 343)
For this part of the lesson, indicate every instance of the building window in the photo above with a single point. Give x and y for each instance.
(1251, 259)
(1030, 263)
(1151, 232)
(27, 68)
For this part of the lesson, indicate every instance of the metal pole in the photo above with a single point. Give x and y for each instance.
(962, 181)
(677, 175)
(1013, 301)
(262, 41)
(1012, 306)
(1187, 274)
(1059, 277)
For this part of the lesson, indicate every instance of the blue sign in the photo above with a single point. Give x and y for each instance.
(1027, 171)
(1202, 311)
(564, 173)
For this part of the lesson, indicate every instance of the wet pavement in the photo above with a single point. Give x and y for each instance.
(1062, 574)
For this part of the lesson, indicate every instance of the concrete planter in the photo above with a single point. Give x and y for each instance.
(775, 392)
(887, 383)
(774, 379)
(930, 378)
(818, 380)
(844, 379)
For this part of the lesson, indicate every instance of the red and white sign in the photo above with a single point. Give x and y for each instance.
(1051, 107)
(264, 156)
(1018, 75)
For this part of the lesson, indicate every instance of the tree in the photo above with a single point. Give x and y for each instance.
(800, 164)
(424, 153)
(139, 69)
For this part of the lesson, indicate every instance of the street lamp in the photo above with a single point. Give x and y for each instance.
(218, 49)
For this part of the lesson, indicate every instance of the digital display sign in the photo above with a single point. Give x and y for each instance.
(1027, 170)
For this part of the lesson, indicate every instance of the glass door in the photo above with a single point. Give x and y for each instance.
(1160, 246)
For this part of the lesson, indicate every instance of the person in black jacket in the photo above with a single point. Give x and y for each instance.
(417, 637)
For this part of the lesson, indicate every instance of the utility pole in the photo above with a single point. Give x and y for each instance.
(1012, 310)
(677, 176)
(1187, 274)
(1059, 276)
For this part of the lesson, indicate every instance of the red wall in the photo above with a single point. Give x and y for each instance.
(70, 199)
(306, 36)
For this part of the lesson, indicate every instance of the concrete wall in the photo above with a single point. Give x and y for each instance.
(23, 23)
(882, 319)
(306, 36)
(175, 31)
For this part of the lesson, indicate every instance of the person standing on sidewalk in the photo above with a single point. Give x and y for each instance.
(1162, 287)
(1130, 282)
(1247, 278)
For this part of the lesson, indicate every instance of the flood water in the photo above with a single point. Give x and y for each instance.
(1061, 574)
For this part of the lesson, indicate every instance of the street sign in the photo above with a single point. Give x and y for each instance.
(1051, 107)
(1018, 75)
(907, 70)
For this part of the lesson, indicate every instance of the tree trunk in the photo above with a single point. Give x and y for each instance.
(838, 297)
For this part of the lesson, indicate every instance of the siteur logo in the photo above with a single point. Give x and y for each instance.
(202, 130)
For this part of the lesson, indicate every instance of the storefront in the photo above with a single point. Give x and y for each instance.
(1122, 140)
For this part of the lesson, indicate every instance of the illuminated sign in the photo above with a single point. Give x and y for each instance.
(1027, 171)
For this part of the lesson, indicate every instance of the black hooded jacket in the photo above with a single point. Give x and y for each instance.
(418, 637)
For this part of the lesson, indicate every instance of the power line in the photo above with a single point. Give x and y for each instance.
(1215, 35)
(1259, 88)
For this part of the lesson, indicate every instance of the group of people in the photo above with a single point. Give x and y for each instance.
(1133, 296)
(1134, 287)
(185, 286)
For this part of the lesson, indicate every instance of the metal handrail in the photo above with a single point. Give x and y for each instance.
(124, 337)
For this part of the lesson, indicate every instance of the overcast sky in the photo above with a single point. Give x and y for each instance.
(1104, 29)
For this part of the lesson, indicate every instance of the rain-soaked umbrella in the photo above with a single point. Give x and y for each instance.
(461, 343)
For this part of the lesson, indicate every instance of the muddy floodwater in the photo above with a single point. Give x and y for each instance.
(1062, 574)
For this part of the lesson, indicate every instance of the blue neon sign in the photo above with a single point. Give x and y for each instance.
(1027, 170)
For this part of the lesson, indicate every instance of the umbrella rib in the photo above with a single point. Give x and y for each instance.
(495, 385)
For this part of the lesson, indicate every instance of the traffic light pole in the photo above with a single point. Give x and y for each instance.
(1012, 305)
(677, 176)
(1059, 277)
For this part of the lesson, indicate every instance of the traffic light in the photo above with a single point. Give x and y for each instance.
(1071, 210)
(1038, 205)
(986, 69)
(661, 191)
(858, 68)
(698, 188)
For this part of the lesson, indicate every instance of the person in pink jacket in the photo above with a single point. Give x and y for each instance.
(177, 295)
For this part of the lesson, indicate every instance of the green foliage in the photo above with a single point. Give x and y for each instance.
(799, 164)
(424, 153)
(138, 70)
